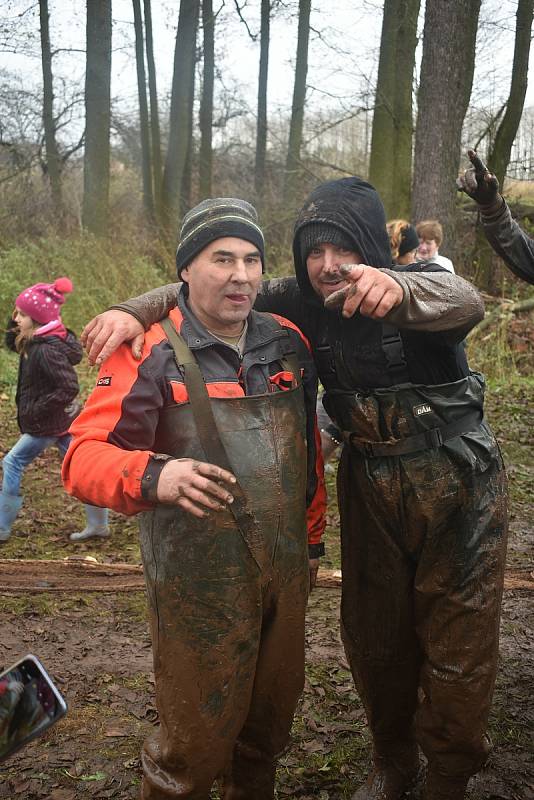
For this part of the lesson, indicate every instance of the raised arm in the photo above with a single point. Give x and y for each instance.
(502, 232)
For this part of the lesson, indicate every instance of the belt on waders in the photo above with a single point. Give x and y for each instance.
(426, 440)
(211, 441)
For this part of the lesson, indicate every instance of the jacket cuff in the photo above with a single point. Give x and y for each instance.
(316, 550)
(493, 211)
(149, 481)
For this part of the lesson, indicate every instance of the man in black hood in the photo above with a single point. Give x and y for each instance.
(421, 483)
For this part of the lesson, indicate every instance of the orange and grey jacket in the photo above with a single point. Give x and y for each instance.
(111, 461)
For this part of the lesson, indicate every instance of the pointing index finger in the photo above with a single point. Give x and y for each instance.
(480, 167)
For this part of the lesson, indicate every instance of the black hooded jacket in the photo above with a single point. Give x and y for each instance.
(47, 384)
(349, 353)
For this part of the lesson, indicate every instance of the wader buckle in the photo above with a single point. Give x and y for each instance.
(433, 438)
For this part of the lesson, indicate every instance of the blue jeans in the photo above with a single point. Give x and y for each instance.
(24, 452)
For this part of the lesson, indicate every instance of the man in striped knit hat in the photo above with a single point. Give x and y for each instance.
(212, 436)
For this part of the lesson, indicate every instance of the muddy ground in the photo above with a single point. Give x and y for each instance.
(96, 645)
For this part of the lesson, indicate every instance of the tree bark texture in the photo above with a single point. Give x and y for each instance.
(155, 138)
(382, 160)
(187, 178)
(53, 163)
(205, 167)
(261, 129)
(445, 88)
(97, 117)
(180, 115)
(299, 99)
(403, 108)
(148, 197)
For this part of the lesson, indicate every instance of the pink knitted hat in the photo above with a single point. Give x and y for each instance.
(42, 301)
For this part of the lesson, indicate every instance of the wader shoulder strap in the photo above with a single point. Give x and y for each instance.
(212, 444)
(290, 363)
(393, 350)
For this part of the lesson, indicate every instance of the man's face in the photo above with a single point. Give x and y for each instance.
(427, 249)
(223, 281)
(323, 263)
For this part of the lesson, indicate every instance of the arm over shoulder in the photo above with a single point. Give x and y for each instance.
(152, 306)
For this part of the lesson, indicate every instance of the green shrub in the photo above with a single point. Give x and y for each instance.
(103, 272)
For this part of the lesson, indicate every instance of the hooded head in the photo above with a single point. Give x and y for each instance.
(217, 218)
(42, 301)
(346, 213)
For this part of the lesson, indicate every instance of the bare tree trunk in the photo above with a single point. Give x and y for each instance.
(53, 163)
(97, 117)
(187, 177)
(148, 198)
(499, 157)
(445, 88)
(155, 138)
(299, 99)
(261, 130)
(180, 115)
(403, 108)
(206, 102)
(382, 162)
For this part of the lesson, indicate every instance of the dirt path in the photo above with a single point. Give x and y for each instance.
(88, 624)
(98, 650)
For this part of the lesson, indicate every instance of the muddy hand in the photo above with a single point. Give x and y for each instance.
(195, 486)
(370, 291)
(104, 333)
(478, 182)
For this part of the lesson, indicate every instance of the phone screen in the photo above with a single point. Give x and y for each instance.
(29, 704)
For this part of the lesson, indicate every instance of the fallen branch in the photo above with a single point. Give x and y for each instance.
(18, 576)
(503, 310)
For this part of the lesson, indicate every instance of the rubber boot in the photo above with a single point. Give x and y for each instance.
(9, 508)
(440, 787)
(97, 525)
(391, 776)
(252, 776)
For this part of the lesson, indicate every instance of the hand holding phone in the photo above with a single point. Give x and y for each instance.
(29, 704)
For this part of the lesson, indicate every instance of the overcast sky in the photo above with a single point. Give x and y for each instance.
(342, 56)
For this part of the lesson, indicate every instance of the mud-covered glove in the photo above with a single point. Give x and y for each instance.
(480, 184)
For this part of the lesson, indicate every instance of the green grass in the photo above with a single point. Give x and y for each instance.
(103, 272)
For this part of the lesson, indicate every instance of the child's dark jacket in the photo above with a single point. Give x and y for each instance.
(47, 384)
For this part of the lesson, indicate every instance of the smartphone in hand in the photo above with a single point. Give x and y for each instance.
(29, 704)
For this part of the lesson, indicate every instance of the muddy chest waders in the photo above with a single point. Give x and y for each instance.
(227, 597)
(422, 497)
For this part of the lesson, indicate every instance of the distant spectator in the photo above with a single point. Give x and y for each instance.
(47, 390)
(430, 235)
(403, 240)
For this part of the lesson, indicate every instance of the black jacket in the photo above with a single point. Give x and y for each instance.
(349, 353)
(47, 384)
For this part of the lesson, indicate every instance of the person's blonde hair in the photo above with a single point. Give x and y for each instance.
(430, 229)
(395, 228)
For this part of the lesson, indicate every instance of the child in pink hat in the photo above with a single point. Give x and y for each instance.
(47, 389)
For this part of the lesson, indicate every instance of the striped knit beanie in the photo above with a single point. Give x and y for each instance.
(217, 218)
